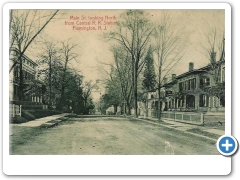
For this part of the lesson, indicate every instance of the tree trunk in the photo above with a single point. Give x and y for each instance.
(115, 109)
(63, 85)
(146, 107)
(20, 89)
(135, 93)
(159, 103)
(50, 81)
(129, 108)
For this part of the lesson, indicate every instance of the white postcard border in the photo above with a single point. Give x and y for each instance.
(114, 165)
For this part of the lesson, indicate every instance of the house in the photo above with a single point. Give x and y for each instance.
(33, 89)
(195, 90)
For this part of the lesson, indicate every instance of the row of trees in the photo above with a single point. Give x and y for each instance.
(145, 54)
(65, 88)
(133, 52)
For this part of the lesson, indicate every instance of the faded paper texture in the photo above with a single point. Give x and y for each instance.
(116, 81)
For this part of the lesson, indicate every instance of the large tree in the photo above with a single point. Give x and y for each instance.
(133, 33)
(122, 74)
(49, 70)
(169, 49)
(68, 54)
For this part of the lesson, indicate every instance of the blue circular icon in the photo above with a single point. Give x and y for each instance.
(227, 145)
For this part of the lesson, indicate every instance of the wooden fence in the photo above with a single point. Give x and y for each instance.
(15, 110)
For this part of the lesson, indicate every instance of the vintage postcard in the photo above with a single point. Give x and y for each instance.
(143, 79)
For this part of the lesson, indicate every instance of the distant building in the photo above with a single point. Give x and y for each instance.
(33, 88)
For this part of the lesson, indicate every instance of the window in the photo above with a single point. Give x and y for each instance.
(194, 83)
(180, 86)
(203, 100)
(15, 89)
(207, 81)
(204, 81)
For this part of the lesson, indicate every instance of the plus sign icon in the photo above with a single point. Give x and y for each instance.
(227, 145)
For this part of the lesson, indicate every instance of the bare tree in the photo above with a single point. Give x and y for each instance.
(24, 30)
(213, 47)
(123, 67)
(168, 50)
(68, 54)
(49, 63)
(25, 27)
(133, 33)
(87, 88)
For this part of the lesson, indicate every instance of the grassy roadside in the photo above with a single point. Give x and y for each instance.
(21, 135)
(204, 133)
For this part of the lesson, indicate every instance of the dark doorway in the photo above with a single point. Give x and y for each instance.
(190, 101)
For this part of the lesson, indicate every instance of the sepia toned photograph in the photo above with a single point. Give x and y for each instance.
(116, 82)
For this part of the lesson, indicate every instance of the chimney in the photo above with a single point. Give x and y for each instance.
(173, 77)
(191, 66)
(213, 57)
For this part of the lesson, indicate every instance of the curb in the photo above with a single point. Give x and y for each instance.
(198, 135)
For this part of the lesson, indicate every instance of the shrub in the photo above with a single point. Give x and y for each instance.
(44, 113)
(32, 115)
(18, 120)
(27, 115)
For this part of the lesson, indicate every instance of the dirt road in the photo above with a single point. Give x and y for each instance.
(107, 135)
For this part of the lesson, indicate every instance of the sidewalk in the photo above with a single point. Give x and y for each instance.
(184, 127)
(40, 121)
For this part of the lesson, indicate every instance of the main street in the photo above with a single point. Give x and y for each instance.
(106, 136)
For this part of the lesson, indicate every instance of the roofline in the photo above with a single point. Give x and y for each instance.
(198, 70)
(17, 50)
(202, 69)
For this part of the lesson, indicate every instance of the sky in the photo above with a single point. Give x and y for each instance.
(93, 49)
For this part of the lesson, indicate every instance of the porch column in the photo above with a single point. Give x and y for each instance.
(177, 104)
(174, 105)
(196, 101)
(35, 99)
(184, 103)
(205, 100)
(40, 99)
(209, 101)
(181, 103)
